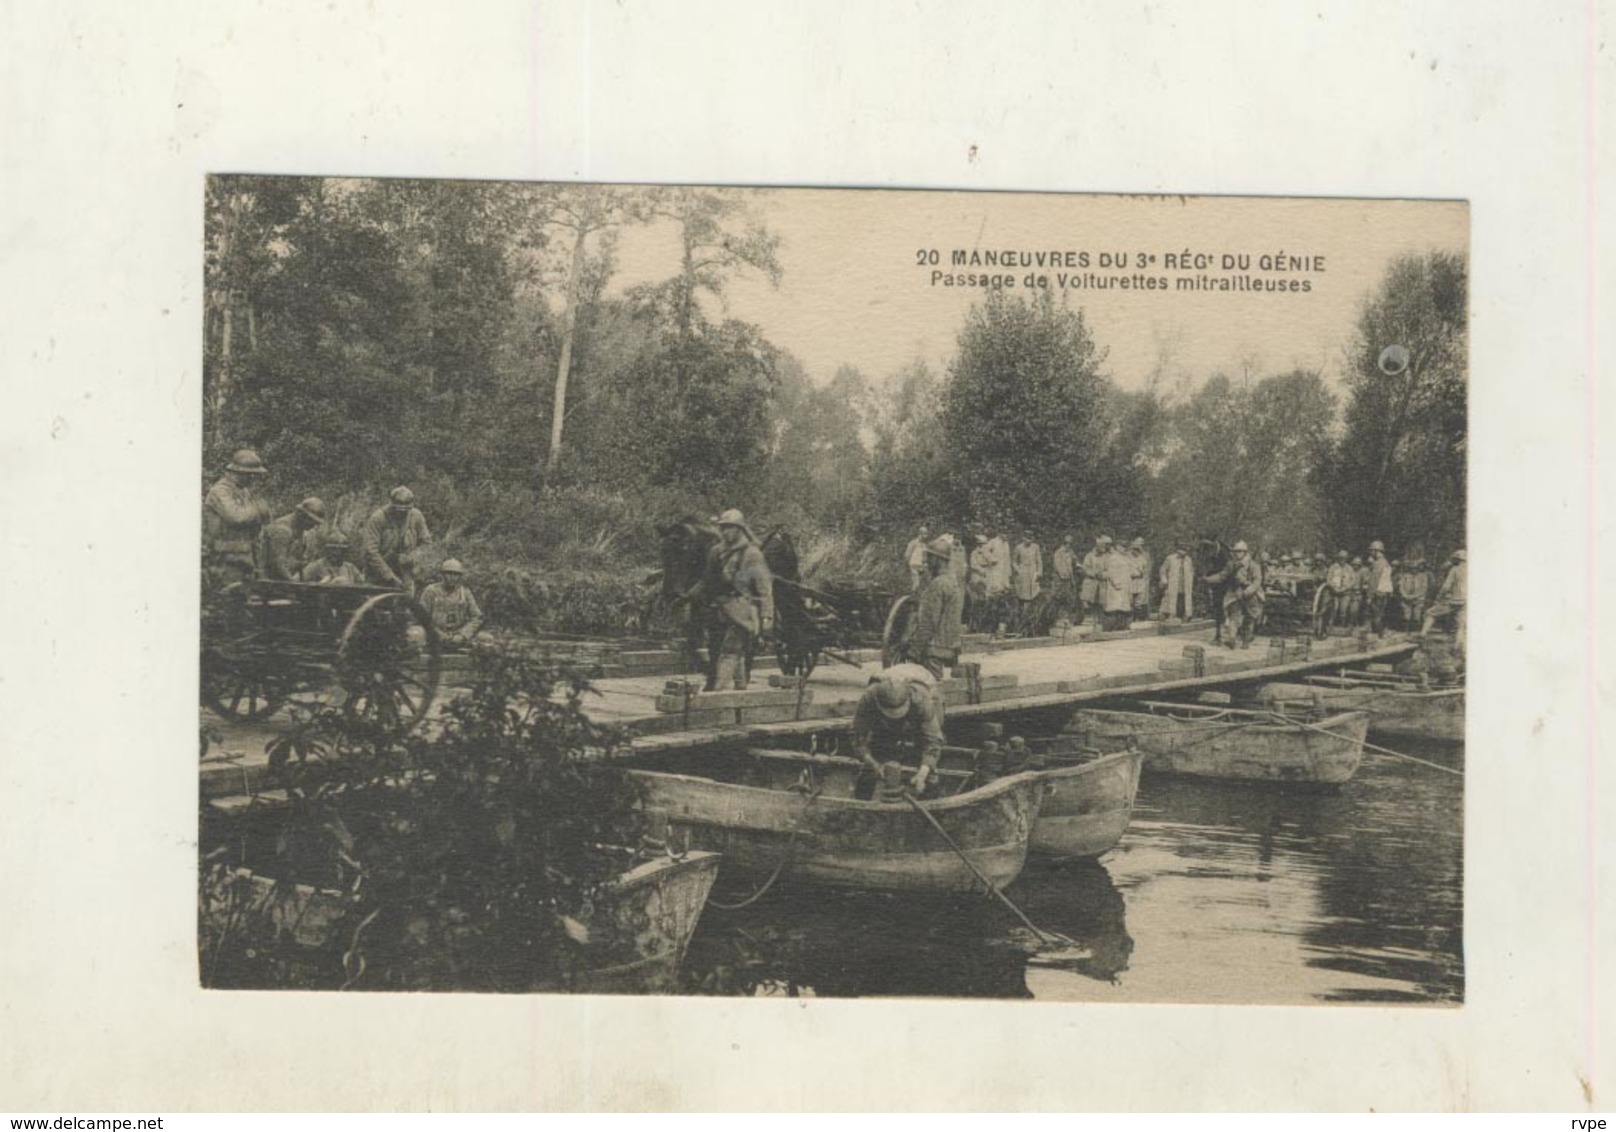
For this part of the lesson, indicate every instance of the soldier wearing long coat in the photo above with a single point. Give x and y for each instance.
(1093, 570)
(1178, 583)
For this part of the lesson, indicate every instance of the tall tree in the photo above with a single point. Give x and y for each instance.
(1237, 459)
(1025, 417)
(721, 234)
(582, 213)
(1399, 472)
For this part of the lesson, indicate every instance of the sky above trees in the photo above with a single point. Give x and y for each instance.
(851, 292)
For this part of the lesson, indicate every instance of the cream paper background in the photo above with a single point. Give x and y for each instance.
(111, 115)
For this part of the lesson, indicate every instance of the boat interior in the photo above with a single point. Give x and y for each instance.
(839, 776)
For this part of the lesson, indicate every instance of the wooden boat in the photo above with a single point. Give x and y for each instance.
(634, 937)
(1234, 743)
(1089, 799)
(792, 815)
(1088, 807)
(643, 920)
(1398, 705)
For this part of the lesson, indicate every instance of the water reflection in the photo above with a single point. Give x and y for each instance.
(1218, 893)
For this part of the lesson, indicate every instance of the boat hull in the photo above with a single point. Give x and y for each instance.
(838, 841)
(1242, 750)
(1088, 807)
(643, 922)
(1394, 712)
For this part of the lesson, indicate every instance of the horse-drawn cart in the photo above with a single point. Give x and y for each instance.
(830, 621)
(370, 649)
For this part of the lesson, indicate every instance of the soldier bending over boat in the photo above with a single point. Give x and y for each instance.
(899, 720)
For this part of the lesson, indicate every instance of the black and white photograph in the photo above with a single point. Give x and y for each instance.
(711, 591)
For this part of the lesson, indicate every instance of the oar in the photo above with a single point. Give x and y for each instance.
(1047, 937)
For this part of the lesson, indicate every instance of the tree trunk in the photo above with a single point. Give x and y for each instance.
(569, 320)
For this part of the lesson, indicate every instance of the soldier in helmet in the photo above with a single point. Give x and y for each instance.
(935, 629)
(1380, 587)
(289, 543)
(390, 540)
(737, 591)
(899, 719)
(232, 518)
(332, 568)
(454, 611)
(1243, 600)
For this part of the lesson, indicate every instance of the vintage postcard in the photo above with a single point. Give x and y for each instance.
(708, 591)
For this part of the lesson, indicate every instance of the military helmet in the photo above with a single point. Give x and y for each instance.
(941, 547)
(1377, 545)
(337, 540)
(313, 508)
(246, 462)
(1241, 545)
(892, 696)
(402, 498)
(451, 566)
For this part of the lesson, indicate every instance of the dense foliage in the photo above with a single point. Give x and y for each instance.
(465, 857)
(466, 338)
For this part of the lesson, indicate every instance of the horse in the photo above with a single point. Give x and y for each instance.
(683, 546)
(1214, 559)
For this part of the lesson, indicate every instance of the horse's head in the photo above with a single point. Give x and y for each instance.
(682, 546)
(780, 552)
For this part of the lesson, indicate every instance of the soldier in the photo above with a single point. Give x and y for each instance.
(1064, 565)
(1413, 589)
(451, 606)
(914, 557)
(935, 630)
(1243, 600)
(289, 543)
(1141, 579)
(232, 518)
(1178, 583)
(1093, 569)
(1116, 586)
(1379, 588)
(1450, 601)
(1339, 582)
(738, 592)
(1355, 596)
(390, 540)
(899, 717)
(1026, 577)
(333, 567)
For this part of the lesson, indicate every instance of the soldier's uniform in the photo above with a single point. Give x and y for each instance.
(389, 540)
(232, 518)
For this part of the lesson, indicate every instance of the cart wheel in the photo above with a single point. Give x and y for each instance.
(896, 629)
(235, 690)
(388, 661)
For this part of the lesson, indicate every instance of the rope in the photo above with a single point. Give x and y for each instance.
(785, 859)
(1383, 750)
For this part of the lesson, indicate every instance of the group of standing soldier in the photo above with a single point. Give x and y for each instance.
(241, 542)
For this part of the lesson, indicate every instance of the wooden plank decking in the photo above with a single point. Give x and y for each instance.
(1018, 676)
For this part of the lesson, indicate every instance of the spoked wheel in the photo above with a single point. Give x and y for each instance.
(1318, 612)
(896, 630)
(238, 688)
(389, 661)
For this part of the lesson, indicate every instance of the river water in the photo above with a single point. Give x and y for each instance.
(1217, 893)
